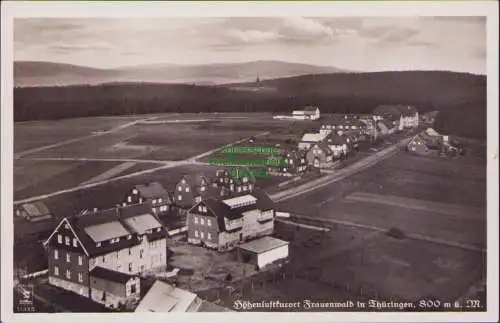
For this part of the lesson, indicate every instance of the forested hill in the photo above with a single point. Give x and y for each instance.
(354, 92)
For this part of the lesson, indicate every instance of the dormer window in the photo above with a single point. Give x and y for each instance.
(134, 191)
(129, 237)
(154, 202)
(98, 244)
(158, 229)
(183, 180)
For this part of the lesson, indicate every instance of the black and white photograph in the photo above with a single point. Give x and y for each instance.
(304, 161)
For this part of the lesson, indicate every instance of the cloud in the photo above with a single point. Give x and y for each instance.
(305, 29)
(396, 36)
(252, 36)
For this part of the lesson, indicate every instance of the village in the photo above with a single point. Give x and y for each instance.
(162, 246)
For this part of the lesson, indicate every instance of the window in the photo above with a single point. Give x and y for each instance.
(209, 222)
(187, 188)
(200, 208)
(80, 260)
(80, 278)
(56, 271)
(196, 233)
(129, 237)
(179, 197)
(56, 254)
(134, 191)
(203, 188)
(129, 251)
(250, 186)
(140, 200)
(103, 259)
(196, 219)
(179, 188)
(158, 229)
(202, 221)
(68, 274)
(129, 266)
(154, 201)
(209, 236)
(238, 188)
(67, 241)
(66, 226)
(202, 235)
(141, 254)
(129, 199)
(59, 238)
(75, 243)
(68, 257)
(133, 289)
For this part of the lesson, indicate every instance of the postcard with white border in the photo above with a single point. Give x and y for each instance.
(283, 161)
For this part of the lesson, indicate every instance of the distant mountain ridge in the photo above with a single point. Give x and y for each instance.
(32, 73)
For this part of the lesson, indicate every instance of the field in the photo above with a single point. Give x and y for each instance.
(35, 134)
(357, 264)
(454, 184)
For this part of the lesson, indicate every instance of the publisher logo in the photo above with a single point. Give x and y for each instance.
(25, 295)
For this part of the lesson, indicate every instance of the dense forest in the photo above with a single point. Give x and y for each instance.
(460, 98)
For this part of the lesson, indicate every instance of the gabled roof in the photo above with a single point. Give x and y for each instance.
(111, 275)
(121, 222)
(395, 110)
(313, 137)
(163, 297)
(195, 180)
(334, 139)
(36, 209)
(237, 173)
(222, 210)
(152, 190)
(323, 146)
(310, 108)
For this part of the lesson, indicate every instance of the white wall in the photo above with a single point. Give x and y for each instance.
(272, 255)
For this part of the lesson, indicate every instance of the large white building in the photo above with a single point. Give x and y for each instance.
(309, 113)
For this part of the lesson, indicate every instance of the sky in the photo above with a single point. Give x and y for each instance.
(355, 43)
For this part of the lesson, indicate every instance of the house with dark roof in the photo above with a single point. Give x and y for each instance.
(293, 162)
(406, 115)
(222, 224)
(190, 189)
(35, 211)
(235, 180)
(127, 240)
(320, 155)
(386, 127)
(337, 144)
(152, 194)
(342, 124)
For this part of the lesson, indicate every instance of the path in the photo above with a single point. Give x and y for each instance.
(448, 243)
(165, 165)
(340, 174)
(70, 141)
